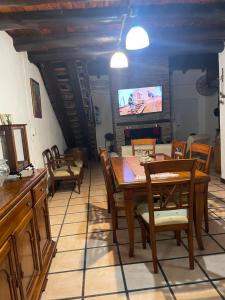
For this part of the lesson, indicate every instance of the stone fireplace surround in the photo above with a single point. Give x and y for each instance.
(142, 72)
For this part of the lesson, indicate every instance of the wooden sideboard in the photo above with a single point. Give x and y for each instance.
(26, 247)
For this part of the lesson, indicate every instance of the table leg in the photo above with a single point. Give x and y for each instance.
(129, 209)
(199, 213)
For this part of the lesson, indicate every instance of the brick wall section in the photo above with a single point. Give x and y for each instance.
(150, 71)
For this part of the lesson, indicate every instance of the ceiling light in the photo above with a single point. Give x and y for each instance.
(137, 38)
(119, 60)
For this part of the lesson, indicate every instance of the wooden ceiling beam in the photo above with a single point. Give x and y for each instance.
(74, 40)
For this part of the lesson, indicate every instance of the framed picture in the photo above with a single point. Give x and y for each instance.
(36, 98)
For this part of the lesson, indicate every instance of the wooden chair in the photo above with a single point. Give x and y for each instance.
(203, 154)
(143, 146)
(69, 173)
(168, 214)
(178, 149)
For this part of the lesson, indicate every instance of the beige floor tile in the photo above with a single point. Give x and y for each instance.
(58, 219)
(214, 188)
(71, 242)
(99, 206)
(220, 239)
(57, 210)
(94, 199)
(155, 294)
(98, 214)
(67, 261)
(215, 203)
(101, 186)
(74, 228)
(57, 203)
(97, 193)
(103, 256)
(63, 285)
(100, 225)
(61, 195)
(122, 236)
(121, 296)
(141, 275)
(77, 208)
(214, 265)
(99, 239)
(220, 212)
(219, 194)
(55, 230)
(216, 226)
(200, 291)
(95, 279)
(78, 201)
(221, 286)
(169, 249)
(209, 244)
(82, 194)
(78, 217)
(177, 271)
(140, 253)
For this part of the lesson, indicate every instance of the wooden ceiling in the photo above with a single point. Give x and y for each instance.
(51, 30)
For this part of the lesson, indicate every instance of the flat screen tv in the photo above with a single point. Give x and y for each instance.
(140, 100)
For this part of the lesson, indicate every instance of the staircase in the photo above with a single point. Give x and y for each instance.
(67, 84)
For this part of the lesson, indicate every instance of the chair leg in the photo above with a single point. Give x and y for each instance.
(190, 248)
(108, 205)
(143, 233)
(78, 184)
(53, 187)
(178, 237)
(114, 222)
(206, 216)
(154, 252)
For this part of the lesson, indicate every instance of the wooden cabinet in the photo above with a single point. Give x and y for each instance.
(26, 247)
(9, 288)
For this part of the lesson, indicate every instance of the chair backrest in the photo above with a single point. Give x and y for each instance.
(55, 151)
(171, 190)
(141, 146)
(203, 154)
(107, 172)
(101, 150)
(49, 160)
(178, 149)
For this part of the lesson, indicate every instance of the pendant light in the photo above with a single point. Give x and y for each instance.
(119, 59)
(137, 38)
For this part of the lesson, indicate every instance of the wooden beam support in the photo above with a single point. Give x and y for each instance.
(74, 40)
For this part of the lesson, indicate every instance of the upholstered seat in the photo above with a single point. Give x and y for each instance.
(63, 172)
(163, 217)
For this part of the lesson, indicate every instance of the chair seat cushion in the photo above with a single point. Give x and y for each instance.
(163, 217)
(63, 172)
(79, 163)
(119, 199)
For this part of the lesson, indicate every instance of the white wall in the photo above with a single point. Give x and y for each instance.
(191, 108)
(101, 98)
(15, 99)
(222, 112)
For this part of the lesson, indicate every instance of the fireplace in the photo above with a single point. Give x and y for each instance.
(140, 133)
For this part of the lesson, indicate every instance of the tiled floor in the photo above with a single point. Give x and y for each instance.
(89, 266)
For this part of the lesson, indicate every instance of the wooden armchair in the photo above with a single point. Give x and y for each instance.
(170, 213)
(178, 149)
(203, 154)
(143, 146)
(65, 173)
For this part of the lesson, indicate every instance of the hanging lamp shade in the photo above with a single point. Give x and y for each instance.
(137, 38)
(119, 60)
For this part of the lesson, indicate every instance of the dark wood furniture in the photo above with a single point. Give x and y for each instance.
(172, 212)
(15, 147)
(145, 146)
(178, 150)
(125, 170)
(26, 247)
(63, 173)
(203, 154)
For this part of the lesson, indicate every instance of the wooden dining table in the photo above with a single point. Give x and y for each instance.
(130, 178)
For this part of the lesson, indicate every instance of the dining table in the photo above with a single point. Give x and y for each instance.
(130, 178)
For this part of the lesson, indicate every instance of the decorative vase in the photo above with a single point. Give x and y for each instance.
(4, 171)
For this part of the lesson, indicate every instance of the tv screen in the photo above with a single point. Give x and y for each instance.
(140, 100)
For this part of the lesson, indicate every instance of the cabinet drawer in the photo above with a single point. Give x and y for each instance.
(40, 189)
(11, 220)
